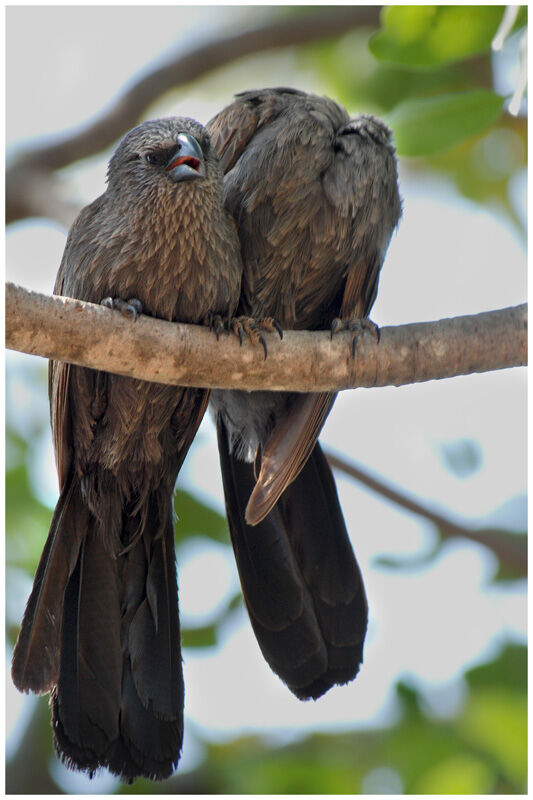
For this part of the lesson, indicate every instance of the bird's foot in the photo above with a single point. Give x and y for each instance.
(131, 308)
(244, 326)
(251, 327)
(357, 327)
(216, 323)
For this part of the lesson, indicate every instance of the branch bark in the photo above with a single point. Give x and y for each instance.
(189, 355)
(34, 167)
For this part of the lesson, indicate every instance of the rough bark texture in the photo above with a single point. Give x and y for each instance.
(187, 355)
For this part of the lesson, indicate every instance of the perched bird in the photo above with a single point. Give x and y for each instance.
(315, 198)
(101, 629)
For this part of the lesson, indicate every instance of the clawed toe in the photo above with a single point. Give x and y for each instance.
(335, 325)
(131, 308)
(251, 327)
(357, 327)
(244, 326)
(270, 324)
(368, 325)
(236, 327)
(215, 323)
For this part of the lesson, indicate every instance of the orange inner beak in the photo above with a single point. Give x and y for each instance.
(189, 160)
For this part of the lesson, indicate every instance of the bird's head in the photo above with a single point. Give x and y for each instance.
(163, 155)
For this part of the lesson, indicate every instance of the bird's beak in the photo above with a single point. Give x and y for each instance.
(187, 161)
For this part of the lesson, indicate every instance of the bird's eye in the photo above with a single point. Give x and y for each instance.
(151, 158)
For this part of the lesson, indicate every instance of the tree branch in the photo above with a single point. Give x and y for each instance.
(125, 111)
(189, 355)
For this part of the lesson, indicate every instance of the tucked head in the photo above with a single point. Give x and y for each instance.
(164, 152)
(370, 128)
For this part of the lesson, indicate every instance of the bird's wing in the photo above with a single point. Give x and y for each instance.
(58, 384)
(294, 436)
(90, 387)
(362, 186)
(58, 391)
(186, 420)
(287, 449)
(232, 128)
(360, 290)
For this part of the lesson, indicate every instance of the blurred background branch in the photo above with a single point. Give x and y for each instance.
(511, 551)
(30, 186)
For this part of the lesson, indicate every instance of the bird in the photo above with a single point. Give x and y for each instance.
(101, 628)
(315, 197)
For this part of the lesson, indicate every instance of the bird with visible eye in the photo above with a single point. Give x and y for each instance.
(184, 160)
(101, 629)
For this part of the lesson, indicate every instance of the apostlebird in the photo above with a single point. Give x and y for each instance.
(101, 629)
(315, 198)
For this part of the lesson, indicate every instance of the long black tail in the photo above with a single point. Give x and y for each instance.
(300, 580)
(101, 633)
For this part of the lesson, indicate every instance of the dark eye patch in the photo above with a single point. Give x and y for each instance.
(155, 157)
(160, 156)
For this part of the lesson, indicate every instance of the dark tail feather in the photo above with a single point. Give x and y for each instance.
(117, 686)
(153, 692)
(300, 580)
(35, 666)
(315, 525)
(86, 699)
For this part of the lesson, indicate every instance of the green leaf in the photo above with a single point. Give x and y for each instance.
(484, 168)
(27, 521)
(487, 714)
(194, 517)
(281, 774)
(353, 76)
(428, 126)
(199, 637)
(427, 36)
(509, 670)
(462, 774)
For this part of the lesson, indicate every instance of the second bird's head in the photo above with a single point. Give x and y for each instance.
(164, 156)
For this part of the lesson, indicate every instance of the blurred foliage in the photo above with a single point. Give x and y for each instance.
(423, 127)
(462, 754)
(480, 750)
(429, 36)
(429, 72)
(194, 517)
